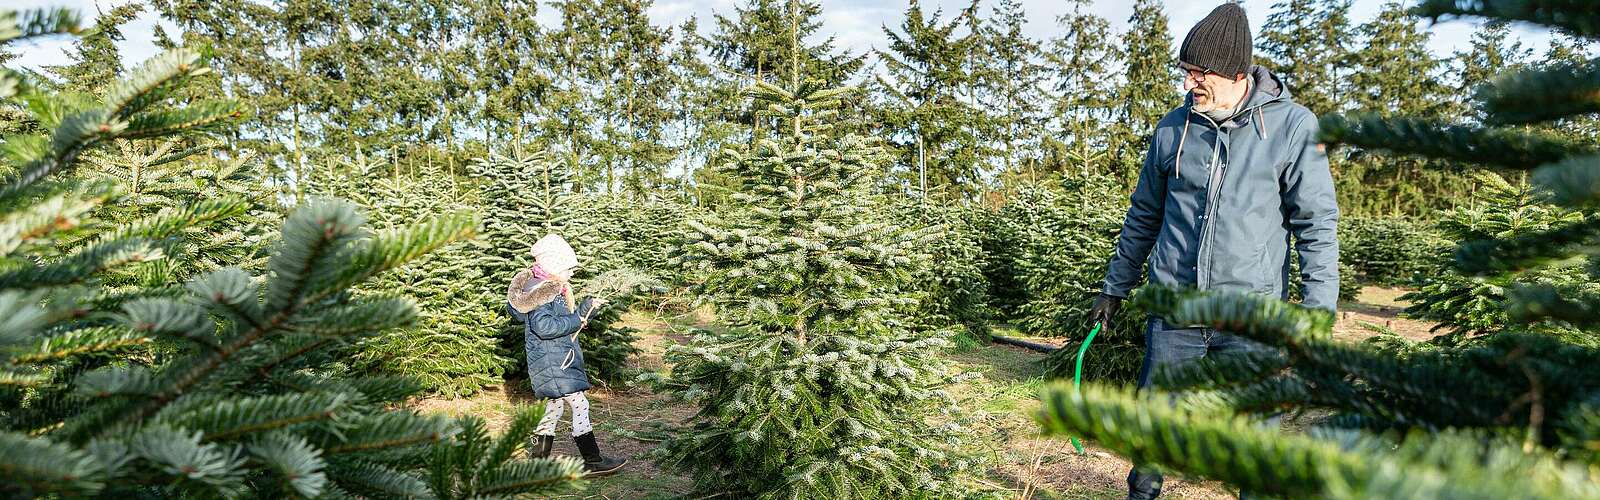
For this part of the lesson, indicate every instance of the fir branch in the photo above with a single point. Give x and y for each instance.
(149, 82)
(392, 249)
(92, 340)
(82, 265)
(33, 466)
(1540, 95)
(1439, 139)
(60, 212)
(1574, 182)
(1230, 449)
(544, 477)
(388, 430)
(1221, 371)
(377, 481)
(167, 317)
(236, 418)
(1525, 251)
(298, 464)
(360, 316)
(1575, 304)
(19, 26)
(1576, 16)
(182, 455)
(197, 117)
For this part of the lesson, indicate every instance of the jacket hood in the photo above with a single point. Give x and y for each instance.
(1265, 88)
(526, 293)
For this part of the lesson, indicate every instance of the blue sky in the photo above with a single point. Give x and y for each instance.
(857, 24)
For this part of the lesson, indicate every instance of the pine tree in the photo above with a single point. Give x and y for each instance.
(226, 387)
(1013, 87)
(1512, 416)
(931, 126)
(814, 390)
(525, 197)
(1083, 63)
(1146, 92)
(454, 348)
(1305, 42)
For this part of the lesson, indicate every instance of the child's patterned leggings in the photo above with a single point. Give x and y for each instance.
(552, 415)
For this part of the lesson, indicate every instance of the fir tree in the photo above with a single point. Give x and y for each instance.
(1305, 42)
(1147, 92)
(815, 390)
(1512, 416)
(1395, 75)
(931, 125)
(1083, 65)
(1012, 86)
(226, 387)
(454, 347)
(1492, 52)
(525, 197)
(1466, 305)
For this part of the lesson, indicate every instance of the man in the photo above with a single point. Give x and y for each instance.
(1228, 178)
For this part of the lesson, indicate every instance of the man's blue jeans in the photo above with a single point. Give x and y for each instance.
(1165, 346)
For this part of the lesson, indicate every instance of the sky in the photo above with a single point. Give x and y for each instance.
(856, 24)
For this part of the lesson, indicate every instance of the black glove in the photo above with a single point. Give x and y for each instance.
(1105, 307)
(586, 308)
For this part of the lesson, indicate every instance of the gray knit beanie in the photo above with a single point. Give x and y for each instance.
(1220, 42)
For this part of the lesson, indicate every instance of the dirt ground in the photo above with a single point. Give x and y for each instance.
(629, 420)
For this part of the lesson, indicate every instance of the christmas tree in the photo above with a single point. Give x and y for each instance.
(228, 386)
(1516, 415)
(454, 347)
(814, 389)
(525, 196)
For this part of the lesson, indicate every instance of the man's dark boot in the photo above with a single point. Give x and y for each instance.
(540, 447)
(1144, 484)
(593, 463)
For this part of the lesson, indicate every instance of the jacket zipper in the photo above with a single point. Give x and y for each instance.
(1202, 272)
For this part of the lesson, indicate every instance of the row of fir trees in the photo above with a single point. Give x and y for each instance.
(1506, 405)
(166, 335)
(965, 98)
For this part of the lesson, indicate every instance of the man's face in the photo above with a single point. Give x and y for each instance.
(1211, 91)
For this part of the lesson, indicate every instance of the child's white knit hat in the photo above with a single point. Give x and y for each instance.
(554, 254)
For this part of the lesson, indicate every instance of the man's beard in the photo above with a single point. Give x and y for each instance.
(1212, 106)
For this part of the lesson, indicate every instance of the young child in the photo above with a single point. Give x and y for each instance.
(541, 298)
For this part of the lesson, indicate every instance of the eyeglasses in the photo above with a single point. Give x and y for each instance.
(1195, 73)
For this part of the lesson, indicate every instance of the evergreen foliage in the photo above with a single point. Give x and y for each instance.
(1052, 244)
(473, 464)
(1509, 415)
(1468, 305)
(1147, 92)
(1387, 251)
(229, 386)
(934, 125)
(453, 349)
(525, 197)
(815, 390)
(950, 288)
